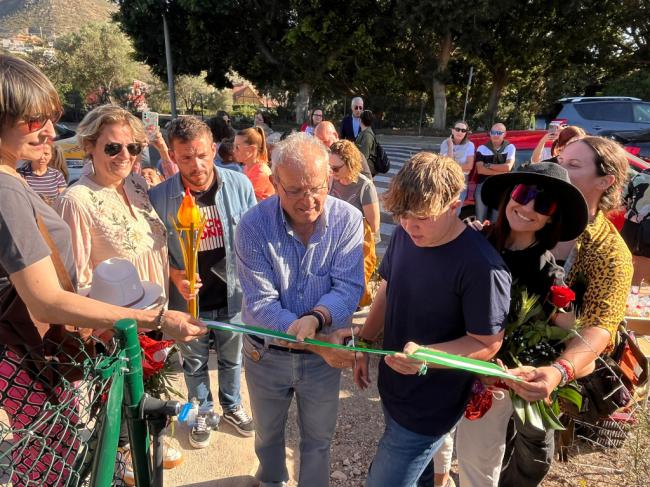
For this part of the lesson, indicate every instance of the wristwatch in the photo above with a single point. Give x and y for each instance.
(487, 165)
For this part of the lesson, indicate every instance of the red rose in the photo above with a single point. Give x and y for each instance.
(562, 296)
(150, 349)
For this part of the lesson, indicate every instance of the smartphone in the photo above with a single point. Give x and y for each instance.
(150, 121)
(553, 127)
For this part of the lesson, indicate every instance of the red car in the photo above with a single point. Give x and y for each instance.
(525, 141)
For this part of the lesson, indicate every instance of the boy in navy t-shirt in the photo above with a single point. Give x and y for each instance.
(443, 287)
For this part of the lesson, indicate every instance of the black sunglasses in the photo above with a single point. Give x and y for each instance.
(113, 148)
(358, 108)
(460, 129)
(545, 204)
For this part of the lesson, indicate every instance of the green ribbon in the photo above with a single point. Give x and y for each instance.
(426, 355)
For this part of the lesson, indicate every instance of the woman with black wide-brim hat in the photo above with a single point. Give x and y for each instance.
(537, 208)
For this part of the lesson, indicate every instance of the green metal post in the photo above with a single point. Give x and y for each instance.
(127, 332)
(104, 461)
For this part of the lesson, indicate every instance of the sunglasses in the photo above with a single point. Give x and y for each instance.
(337, 168)
(113, 148)
(37, 122)
(460, 129)
(545, 204)
(497, 132)
(358, 108)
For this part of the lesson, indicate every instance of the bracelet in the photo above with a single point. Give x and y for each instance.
(563, 373)
(568, 366)
(326, 322)
(423, 369)
(318, 315)
(159, 319)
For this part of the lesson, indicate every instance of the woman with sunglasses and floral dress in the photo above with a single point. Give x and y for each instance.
(348, 184)
(537, 208)
(460, 149)
(108, 210)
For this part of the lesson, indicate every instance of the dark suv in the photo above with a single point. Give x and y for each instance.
(595, 114)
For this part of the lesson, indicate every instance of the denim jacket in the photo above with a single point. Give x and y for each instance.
(233, 198)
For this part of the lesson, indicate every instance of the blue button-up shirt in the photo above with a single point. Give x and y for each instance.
(281, 278)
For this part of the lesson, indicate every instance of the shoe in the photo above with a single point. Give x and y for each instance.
(172, 457)
(241, 421)
(200, 434)
(124, 466)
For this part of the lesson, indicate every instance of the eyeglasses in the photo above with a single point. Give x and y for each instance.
(296, 194)
(37, 122)
(359, 107)
(497, 132)
(545, 204)
(318, 115)
(460, 129)
(113, 148)
(337, 168)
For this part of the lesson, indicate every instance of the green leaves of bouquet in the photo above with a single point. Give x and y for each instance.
(531, 339)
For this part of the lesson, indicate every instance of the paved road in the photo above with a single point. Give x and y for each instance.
(398, 154)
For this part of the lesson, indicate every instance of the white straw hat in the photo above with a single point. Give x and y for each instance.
(116, 281)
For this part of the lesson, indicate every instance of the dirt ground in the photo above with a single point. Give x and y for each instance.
(230, 460)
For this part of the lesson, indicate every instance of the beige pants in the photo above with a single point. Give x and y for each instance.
(481, 444)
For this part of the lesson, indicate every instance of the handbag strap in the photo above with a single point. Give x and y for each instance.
(59, 266)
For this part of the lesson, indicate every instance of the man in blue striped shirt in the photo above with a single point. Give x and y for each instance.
(300, 263)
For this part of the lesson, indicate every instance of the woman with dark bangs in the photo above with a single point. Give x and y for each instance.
(36, 255)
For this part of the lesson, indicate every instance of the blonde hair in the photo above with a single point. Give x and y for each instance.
(24, 91)
(255, 136)
(350, 155)
(610, 159)
(90, 128)
(425, 186)
(57, 161)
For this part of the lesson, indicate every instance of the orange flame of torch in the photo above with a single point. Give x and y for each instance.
(190, 228)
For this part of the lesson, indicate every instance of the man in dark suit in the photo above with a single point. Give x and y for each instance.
(351, 124)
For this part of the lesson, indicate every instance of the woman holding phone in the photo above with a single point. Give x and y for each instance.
(561, 135)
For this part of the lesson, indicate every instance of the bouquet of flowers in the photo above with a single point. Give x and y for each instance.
(156, 366)
(531, 339)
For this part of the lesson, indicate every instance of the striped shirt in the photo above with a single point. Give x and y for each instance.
(47, 185)
(281, 278)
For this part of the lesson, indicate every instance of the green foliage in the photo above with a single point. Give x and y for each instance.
(98, 58)
(635, 83)
(525, 54)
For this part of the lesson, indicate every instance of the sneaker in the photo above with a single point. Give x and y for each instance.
(200, 434)
(240, 420)
(124, 466)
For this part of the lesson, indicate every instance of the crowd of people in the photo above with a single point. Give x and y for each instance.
(289, 245)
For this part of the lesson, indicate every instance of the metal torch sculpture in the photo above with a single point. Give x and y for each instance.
(189, 225)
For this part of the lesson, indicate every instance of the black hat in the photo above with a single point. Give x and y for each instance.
(554, 179)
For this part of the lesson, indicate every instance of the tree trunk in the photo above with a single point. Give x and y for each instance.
(302, 102)
(439, 87)
(499, 80)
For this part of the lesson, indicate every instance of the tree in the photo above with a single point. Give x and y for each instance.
(98, 59)
(307, 47)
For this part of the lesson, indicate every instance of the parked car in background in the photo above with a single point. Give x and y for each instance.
(636, 142)
(63, 131)
(74, 156)
(598, 113)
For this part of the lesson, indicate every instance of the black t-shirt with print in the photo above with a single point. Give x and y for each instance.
(212, 253)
